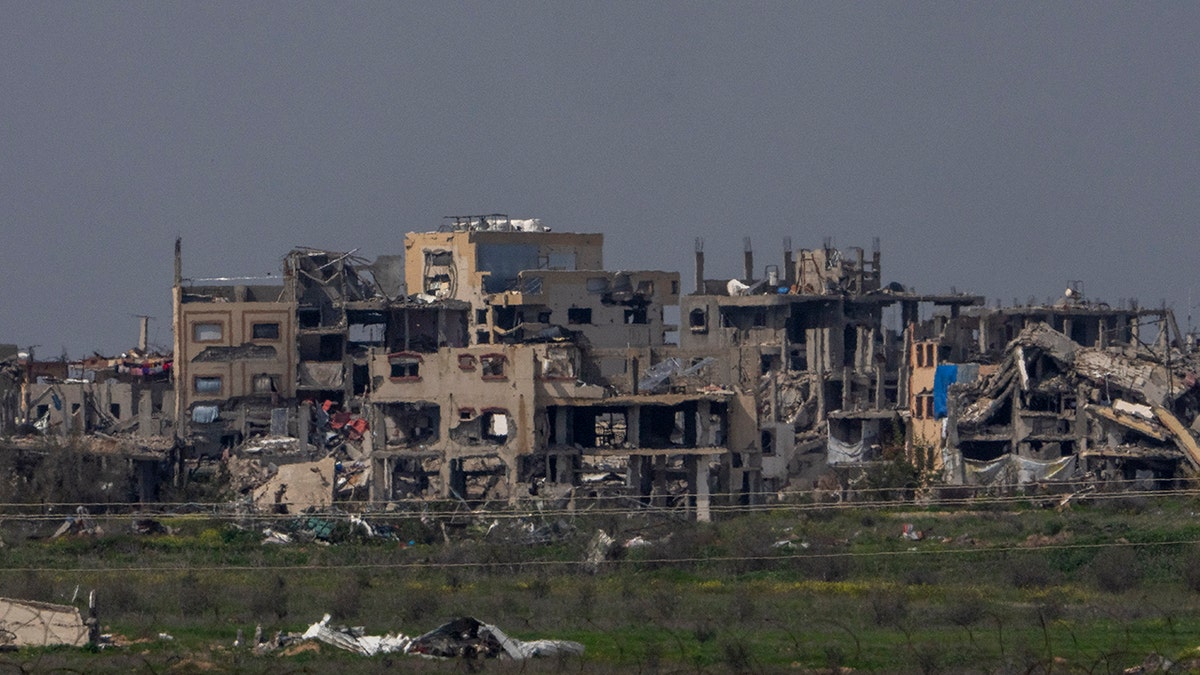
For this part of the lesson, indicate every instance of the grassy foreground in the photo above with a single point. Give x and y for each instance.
(990, 588)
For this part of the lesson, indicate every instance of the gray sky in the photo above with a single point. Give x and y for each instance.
(1002, 148)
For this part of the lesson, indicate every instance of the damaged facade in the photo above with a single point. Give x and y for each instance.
(494, 359)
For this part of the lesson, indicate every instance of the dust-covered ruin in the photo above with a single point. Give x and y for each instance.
(495, 359)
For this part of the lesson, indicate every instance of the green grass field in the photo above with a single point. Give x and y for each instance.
(992, 587)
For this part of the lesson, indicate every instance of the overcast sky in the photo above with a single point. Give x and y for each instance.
(1001, 147)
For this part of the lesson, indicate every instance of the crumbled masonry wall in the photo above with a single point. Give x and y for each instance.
(25, 623)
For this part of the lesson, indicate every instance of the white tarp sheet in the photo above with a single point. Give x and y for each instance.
(1011, 469)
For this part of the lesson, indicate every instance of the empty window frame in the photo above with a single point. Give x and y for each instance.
(265, 383)
(924, 407)
(495, 425)
(206, 384)
(404, 367)
(492, 366)
(579, 315)
(265, 331)
(208, 331)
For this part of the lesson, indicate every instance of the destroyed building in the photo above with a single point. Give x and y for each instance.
(494, 359)
(1064, 390)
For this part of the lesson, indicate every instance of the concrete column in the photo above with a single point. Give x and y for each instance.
(983, 334)
(704, 412)
(847, 387)
(697, 473)
(562, 429)
(304, 425)
(633, 471)
(633, 426)
(145, 415)
(819, 352)
(660, 478)
(879, 388)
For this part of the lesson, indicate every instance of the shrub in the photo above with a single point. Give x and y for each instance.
(966, 609)
(347, 598)
(1191, 570)
(272, 599)
(1030, 571)
(735, 654)
(1117, 570)
(889, 606)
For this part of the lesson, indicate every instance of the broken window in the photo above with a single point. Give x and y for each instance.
(309, 317)
(466, 362)
(439, 273)
(492, 425)
(674, 288)
(579, 315)
(698, 320)
(645, 287)
(924, 407)
(635, 315)
(207, 384)
(492, 366)
(207, 332)
(481, 316)
(265, 331)
(114, 409)
(404, 366)
(531, 286)
(597, 285)
(768, 442)
(558, 363)
(409, 424)
(265, 384)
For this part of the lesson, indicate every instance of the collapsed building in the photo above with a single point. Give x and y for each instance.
(1068, 390)
(496, 359)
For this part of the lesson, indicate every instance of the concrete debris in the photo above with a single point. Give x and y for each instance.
(464, 637)
(493, 360)
(80, 525)
(27, 623)
(296, 488)
(354, 639)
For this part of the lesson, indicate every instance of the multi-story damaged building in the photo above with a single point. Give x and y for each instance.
(495, 358)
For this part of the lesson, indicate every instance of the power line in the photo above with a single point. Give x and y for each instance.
(912, 551)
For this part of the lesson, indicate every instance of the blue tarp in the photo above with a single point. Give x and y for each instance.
(943, 377)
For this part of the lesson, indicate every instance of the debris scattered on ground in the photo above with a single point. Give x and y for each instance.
(463, 637)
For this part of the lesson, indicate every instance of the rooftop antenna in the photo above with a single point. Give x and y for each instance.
(749, 260)
(789, 267)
